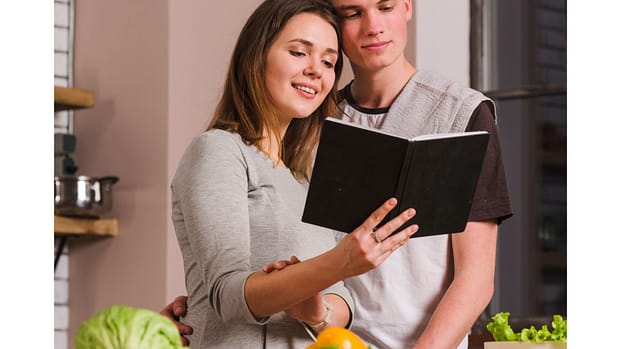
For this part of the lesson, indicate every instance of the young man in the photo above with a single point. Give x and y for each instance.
(430, 292)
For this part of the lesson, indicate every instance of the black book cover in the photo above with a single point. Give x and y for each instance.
(356, 169)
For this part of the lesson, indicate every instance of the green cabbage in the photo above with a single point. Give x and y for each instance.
(124, 327)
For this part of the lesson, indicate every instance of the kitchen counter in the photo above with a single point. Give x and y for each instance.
(479, 334)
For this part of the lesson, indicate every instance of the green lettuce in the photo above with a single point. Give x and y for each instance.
(559, 332)
(501, 330)
(124, 327)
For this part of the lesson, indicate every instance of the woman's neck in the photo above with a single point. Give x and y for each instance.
(271, 143)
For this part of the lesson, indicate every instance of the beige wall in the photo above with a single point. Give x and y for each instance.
(201, 39)
(442, 38)
(121, 53)
(156, 67)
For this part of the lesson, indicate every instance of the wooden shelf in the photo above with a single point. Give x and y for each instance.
(95, 227)
(66, 98)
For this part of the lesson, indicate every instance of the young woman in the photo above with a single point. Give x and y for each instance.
(239, 192)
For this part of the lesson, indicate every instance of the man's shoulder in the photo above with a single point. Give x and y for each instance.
(437, 84)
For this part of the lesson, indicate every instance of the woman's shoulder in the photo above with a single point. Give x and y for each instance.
(209, 153)
(214, 145)
(215, 140)
(218, 137)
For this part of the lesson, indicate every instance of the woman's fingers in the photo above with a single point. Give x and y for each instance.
(392, 225)
(378, 234)
(279, 265)
(370, 244)
(390, 244)
(378, 215)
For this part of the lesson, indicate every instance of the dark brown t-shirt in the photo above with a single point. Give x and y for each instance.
(491, 199)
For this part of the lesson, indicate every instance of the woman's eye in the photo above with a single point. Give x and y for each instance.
(328, 64)
(297, 53)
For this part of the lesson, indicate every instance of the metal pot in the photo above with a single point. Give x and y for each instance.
(83, 196)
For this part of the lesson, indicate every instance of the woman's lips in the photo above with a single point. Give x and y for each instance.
(306, 91)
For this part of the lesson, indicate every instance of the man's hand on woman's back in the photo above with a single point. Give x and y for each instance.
(174, 311)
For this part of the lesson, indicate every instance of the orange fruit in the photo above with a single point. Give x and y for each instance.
(337, 338)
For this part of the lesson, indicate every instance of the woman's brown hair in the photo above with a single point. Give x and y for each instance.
(246, 106)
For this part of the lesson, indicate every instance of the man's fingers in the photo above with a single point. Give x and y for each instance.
(184, 329)
(180, 306)
(174, 311)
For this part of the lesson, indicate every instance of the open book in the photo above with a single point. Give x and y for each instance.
(357, 169)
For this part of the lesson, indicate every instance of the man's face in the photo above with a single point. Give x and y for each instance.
(374, 31)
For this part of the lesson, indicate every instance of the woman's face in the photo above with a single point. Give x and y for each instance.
(300, 65)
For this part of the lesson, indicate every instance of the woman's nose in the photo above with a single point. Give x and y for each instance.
(313, 68)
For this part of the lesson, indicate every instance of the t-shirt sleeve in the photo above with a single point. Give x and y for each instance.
(491, 198)
(211, 190)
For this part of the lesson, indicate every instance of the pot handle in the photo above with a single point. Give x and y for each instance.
(96, 191)
(111, 179)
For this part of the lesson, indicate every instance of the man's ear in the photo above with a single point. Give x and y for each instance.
(408, 9)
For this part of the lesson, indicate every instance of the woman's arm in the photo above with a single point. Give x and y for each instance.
(211, 217)
(212, 192)
(355, 254)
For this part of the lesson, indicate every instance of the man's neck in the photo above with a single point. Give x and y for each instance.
(379, 89)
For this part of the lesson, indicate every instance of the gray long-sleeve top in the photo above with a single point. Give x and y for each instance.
(233, 212)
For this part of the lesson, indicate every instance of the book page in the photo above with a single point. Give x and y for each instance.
(447, 135)
(353, 124)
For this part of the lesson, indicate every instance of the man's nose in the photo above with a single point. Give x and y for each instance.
(372, 23)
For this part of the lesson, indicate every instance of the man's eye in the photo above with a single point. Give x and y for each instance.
(386, 8)
(350, 15)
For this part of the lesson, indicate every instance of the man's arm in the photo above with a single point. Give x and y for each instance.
(471, 290)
